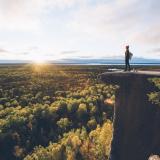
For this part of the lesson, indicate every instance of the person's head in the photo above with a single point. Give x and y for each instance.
(127, 47)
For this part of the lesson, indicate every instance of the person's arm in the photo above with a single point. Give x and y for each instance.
(130, 55)
(125, 53)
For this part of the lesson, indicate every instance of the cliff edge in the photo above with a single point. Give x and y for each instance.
(136, 124)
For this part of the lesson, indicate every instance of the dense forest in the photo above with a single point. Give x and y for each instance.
(55, 112)
(155, 96)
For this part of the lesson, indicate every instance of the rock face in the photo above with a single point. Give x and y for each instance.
(136, 121)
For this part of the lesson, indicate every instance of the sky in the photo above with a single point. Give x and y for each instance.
(60, 29)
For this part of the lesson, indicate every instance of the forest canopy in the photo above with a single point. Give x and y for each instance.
(55, 112)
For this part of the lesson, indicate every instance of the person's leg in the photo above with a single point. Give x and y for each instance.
(125, 64)
(128, 65)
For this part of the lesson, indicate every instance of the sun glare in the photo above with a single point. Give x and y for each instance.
(39, 64)
(39, 61)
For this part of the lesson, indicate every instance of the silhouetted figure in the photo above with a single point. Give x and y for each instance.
(127, 58)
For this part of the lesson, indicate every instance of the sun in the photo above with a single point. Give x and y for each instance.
(39, 66)
(39, 60)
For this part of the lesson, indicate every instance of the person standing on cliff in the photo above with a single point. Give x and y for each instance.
(128, 57)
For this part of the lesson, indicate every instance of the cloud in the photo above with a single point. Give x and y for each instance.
(3, 50)
(23, 53)
(5, 53)
(150, 35)
(118, 19)
(87, 27)
(69, 52)
(84, 57)
(155, 50)
(32, 48)
(17, 54)
(27, 15)
(17, 15)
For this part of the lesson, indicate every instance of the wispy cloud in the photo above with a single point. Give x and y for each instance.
(3, 50)
(155, 51)
(27, 15)
(150, 35)
(69, 52)
(119, 18)
(94, 28)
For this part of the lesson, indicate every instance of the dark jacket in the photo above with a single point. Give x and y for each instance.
(127, 54)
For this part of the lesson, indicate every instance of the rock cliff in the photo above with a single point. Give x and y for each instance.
(136, 120)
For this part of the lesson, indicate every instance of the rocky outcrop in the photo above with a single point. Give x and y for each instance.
(136, 121)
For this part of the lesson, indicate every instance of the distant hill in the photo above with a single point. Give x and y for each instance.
(108, 61)
(113, 60)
